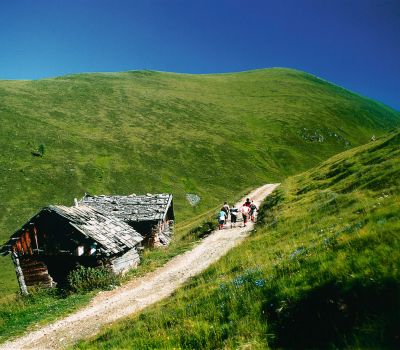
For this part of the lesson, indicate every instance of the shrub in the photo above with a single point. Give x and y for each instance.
(85, 279)
(41, 149)
(203, 230)
(39, 152)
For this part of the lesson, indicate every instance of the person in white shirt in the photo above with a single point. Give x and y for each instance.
(245, 213)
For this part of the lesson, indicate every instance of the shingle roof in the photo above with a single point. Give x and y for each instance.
(112, 234)
(133, 207)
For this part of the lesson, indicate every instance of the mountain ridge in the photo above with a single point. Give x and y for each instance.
(255, 70)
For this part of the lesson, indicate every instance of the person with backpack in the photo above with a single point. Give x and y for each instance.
(234, 213)
(225, 208)
(221, 219)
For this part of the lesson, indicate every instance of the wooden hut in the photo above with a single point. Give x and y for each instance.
(152, 215)
(53, 242)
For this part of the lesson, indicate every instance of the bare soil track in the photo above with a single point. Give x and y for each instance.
(134, 296)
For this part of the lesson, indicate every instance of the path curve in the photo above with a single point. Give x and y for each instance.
(134, 296)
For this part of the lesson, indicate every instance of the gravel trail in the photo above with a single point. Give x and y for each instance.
(134, 296)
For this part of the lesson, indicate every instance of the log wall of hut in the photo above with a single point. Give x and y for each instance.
(35, 272)
(47, 235)
(48, 271)
(48, 250)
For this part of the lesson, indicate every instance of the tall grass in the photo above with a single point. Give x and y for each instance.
(17, 313)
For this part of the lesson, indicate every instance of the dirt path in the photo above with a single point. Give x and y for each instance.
(110, 306)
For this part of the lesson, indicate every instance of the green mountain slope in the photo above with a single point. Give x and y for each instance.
(321, 270)
(141, 131)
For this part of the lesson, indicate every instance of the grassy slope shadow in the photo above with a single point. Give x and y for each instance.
(332, 313)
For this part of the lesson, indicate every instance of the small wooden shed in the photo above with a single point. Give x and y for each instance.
(152, 215)
(58, 238)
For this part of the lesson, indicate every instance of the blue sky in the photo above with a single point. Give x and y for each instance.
(355, 44)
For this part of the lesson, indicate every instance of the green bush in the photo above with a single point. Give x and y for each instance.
(41, 150)
(203, 230)
(84, 279)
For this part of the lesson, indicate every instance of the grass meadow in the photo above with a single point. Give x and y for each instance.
(145, 131)
(216, 136)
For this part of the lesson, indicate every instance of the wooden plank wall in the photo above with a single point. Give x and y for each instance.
(36, 273)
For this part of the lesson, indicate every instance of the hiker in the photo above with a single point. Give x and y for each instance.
(225, 208)
(221, 219)
(245, 213)
(253, 210)
(247, 203)
(234, 213)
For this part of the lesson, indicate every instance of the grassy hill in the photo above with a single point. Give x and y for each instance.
(145, 131)
(321, 270)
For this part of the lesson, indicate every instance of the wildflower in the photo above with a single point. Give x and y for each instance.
(238, 281)
(222, 286)
(297, 252)
(260, 283)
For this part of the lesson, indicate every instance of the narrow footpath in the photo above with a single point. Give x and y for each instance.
(108, 307)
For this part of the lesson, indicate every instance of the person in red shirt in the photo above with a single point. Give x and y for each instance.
(247, 203)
